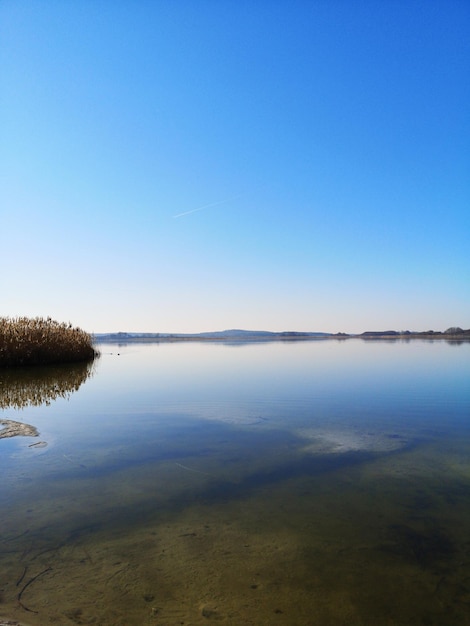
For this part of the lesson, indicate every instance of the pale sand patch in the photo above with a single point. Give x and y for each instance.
(340, 441)
(14, 429)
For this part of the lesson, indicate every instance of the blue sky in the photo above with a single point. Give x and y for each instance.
(192, 166)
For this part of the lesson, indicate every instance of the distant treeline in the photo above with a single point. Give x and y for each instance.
(39, 341)
(453, 331)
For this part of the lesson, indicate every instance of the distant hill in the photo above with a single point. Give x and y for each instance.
(222, 335)
(260, 333)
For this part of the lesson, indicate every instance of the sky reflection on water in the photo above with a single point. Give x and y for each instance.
(140, 389)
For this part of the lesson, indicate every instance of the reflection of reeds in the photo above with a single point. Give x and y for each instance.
(39, 341)
(32, 386)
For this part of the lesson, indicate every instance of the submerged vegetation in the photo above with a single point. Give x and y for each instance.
(39, 341)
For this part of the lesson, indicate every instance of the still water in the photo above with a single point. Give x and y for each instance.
(317, 483)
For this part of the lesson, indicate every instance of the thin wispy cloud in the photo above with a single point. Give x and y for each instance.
(205, 206)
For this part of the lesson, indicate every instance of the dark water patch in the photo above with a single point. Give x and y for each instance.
(201, 441)
(308, 465)
(456, 494)
(428, 548)
(224, 444)
(83, 531)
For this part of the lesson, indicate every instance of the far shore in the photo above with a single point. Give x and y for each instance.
(246, 336)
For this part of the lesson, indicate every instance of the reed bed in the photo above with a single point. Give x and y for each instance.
(39, 341)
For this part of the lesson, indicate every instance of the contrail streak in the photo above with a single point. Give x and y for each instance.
(206, 206)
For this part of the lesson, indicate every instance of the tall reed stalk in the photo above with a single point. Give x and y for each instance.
(39, 341)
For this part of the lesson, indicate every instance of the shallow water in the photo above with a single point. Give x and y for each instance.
(324, 483)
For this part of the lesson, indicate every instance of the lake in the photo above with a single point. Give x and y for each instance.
(300, 483)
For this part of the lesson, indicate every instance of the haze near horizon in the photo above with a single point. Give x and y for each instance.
(191, 167)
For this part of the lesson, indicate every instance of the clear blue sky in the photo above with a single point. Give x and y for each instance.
(184, 166)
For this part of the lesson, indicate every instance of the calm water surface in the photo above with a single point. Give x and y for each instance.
(321, 483)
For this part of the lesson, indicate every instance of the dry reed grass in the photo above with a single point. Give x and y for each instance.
(39, 341)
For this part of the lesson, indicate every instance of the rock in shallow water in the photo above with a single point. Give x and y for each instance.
(14, 429)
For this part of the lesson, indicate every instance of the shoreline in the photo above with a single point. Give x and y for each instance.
(275, 337)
